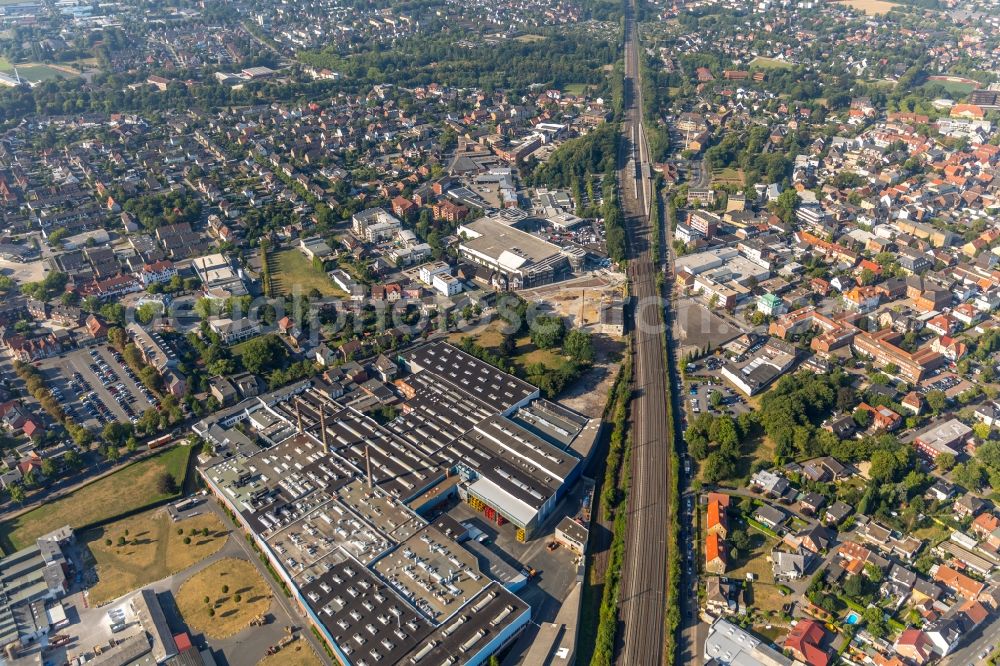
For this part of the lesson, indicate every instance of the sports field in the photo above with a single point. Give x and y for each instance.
(761, 62)
(871, 7)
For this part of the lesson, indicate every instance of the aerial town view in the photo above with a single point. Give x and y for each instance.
(544, 332)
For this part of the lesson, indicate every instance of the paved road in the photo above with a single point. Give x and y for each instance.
(644, 580)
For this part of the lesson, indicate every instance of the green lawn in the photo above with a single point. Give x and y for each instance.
(529, 39)
(528, 354)
(130, 488)
(760, 62)
(290, 268)
(574, 88)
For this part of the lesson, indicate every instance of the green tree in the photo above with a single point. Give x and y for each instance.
(547, 331)
(147, 312)
(579, 346)
(945, 462)
(969, 474)
(884, 467)
(936, 400)
(263, 354)
(854, 587)
(718, 467)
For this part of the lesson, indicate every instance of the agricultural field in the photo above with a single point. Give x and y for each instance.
(236, 595)
(130, 488)
(290, 268)
(145, 548)
(871, 7)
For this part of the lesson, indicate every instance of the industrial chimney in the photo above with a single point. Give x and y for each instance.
(322, 427)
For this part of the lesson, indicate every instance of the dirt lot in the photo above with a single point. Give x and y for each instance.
(236, 594)
(579, 300)
(697, 325)
(154, 549)
(591, 391)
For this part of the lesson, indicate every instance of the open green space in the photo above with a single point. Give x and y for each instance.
(291, 268)
(761, 62)
(128, 489)
(727, 176)
(530, 38)
(575, 88)
(526, 353)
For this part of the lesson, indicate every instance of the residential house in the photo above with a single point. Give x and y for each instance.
(957, 582)
(770, 516)
(716, 521)
(805, 643)
(968, 506)
(716, 560)
(791, 565)
(837, 513)
(915, 646)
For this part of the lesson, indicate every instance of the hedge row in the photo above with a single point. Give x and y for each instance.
(611, 494)
(673, 615)
(614, 495)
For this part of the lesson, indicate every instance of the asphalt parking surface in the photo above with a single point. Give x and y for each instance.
(76, 381)
(698, 402)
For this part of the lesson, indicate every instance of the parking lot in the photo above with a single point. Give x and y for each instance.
(95, 386)
(698, 397)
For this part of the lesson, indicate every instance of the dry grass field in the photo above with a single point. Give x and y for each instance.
(296, 653)
(153, 549)
(236, 594)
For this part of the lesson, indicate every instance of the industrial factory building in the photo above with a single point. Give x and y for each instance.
(338, 501)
